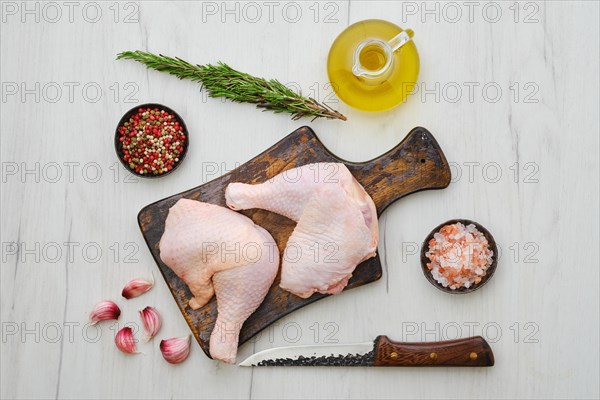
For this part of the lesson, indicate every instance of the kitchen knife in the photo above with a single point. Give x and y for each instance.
(382, 352)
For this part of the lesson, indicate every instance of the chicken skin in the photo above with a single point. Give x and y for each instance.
(217, 251)
(336, 229)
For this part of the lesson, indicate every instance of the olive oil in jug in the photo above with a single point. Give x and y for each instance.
(373, 65)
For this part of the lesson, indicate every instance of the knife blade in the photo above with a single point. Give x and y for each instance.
(382, 352)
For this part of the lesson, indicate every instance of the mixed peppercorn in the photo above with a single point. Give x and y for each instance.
(152, 141)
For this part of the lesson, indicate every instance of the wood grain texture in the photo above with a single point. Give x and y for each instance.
(417, 163)
(467, 352)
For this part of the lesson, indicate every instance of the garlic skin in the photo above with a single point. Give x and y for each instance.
(151, 321)
(175, 350)
(137, 287)
(104, 311)
(125, 341)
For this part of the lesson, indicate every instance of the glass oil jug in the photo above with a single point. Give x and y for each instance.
(373, 65)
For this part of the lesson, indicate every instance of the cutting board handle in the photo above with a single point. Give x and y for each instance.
(467, 352)
(417, 163)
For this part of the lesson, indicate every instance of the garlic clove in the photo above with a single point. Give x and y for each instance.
(125, 341)
(105, 310)
(151, 321)
(175, 350)
(137, 287)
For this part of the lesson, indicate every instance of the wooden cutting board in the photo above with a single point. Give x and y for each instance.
(417, 163)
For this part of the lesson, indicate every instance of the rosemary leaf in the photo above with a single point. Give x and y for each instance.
(221, 80)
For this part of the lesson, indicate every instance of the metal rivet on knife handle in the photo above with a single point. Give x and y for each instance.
(433, 356)
(393, 354)
(473, 356)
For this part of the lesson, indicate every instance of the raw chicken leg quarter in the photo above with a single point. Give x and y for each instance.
(217, 251)
(337, 225)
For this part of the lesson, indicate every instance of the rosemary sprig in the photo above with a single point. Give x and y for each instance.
(223, 81)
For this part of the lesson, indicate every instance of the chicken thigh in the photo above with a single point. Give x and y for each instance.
(217, 251)
(337, 224)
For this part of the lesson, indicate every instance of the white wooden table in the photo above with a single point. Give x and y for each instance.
(510, 91)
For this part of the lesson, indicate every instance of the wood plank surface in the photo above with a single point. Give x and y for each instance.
(512, 98)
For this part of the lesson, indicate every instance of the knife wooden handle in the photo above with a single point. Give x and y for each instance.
(468, 352)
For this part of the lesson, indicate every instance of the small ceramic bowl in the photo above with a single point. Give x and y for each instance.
(490, 271)
(119, 146)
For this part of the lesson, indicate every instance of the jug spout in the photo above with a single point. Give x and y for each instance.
(357, 70)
